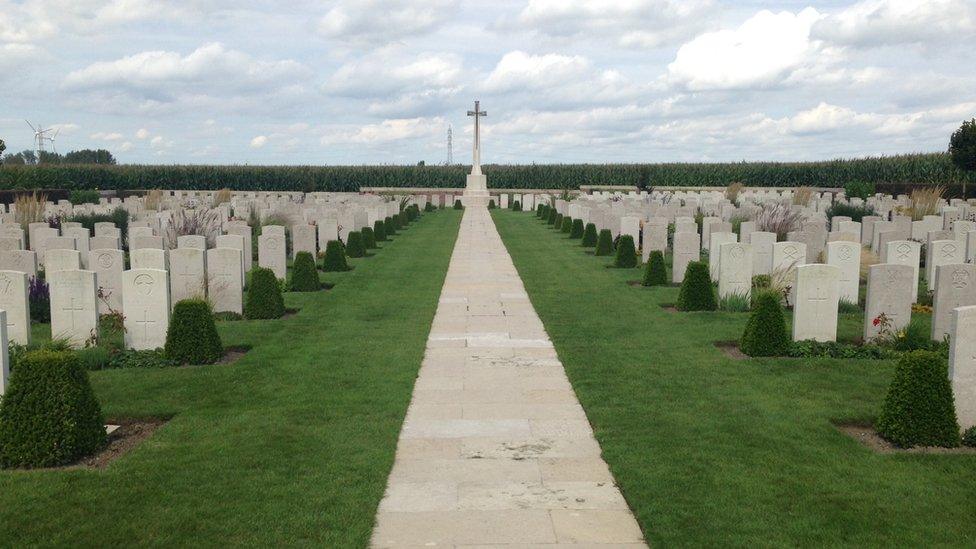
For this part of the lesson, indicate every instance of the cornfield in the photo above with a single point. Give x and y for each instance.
(903, 170)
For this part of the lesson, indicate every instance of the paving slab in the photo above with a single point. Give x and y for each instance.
(496, 450)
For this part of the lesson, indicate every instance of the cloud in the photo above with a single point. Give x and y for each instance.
(388, 131)
(386, 73)
(384, 21)
(873, 23)
(142, 133)
(103, 136)
(761, 52)
(125, 147)
(629, 23)
(259, 142)
(208, 65)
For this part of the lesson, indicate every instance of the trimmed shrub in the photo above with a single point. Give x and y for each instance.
(567, 225)
(765, 333)
(354, 246)
(369, 239)
(335, 257)
(918, 409)
(304, 276)
(558, 223)
(192, 336)
(264, 298)
(969, 437)
(697, 293)
(429, 208)
(491, 204)
(655, 273)
(539, 208)
(458, 205)
(390, 226)
(626, 257)
(589, 236)
(576, 231)
(379, 230)
(517, 206)
(551, 217)
(49, 415)
(604, 243)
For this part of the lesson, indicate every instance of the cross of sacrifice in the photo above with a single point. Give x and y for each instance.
(477, 113)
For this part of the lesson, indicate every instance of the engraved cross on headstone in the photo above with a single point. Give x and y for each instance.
(145, 323)
(71, 311)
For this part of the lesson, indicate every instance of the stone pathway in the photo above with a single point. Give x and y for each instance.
(496, 449)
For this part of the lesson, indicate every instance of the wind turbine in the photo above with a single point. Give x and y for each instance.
(39, 138)
(51, 139)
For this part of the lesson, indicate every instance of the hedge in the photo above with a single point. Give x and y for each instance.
(909, 169)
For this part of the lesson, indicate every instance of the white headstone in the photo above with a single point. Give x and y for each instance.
(247, 250)
(846, 256)
(148, 258)
(889, 292)
(225, 279)
(192, 241)
(905, 252)
(962, 364)
(108, 265)
(24, 261)
(271, 253)
(14, 300)
(188, 274)
(714, 257)
(686, 250)
(762, 251)
(955, 287)
(59, 259)
(735, 269)
(74, 309)
(817, 298)
(145, 302)
(942, 252)
(303, 239)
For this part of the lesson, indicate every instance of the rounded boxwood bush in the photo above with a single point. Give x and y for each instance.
(576, 231)
(429, 207)
(354, 244)
(192, 336)
(969, 437)
(390, 226)
(551, 217)
(918, 409)
(589, 236)
(335, 257)
(458, 205)
(379, 230)
(558, 222)
(697, 293)
(604, 243)
(567, 225)
(369, 238)
(539, 208)
(626, 257)
(304, 276)
(517, 206)
(655, 273)
(49, 415)
(264, 298)
(491, 204)
(765, 333)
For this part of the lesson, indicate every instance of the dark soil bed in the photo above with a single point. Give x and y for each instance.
(233, 354)
(669, 307)
(731, 349)
(866, 435)
(130, 433)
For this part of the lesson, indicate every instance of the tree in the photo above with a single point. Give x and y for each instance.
(19, 159)
(962, 149)
(90, 156)
(3, 147)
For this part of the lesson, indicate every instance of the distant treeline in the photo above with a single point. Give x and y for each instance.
(892, 173)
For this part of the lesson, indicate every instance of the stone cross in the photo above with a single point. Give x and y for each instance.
(477, 113)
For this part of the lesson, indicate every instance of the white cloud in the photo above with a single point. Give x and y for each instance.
(104, 136)
(126, 147)
(388, 131)
(142, 133)
(761, 52)
(162, 76)
(387, 73)
(629, 23)
(160, 143)
(259, 142)
(384, 21)
(873, 23)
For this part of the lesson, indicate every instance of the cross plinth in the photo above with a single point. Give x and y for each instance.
(477, 113)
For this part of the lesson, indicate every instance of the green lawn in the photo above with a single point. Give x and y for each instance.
(289, 446)
(711, 451)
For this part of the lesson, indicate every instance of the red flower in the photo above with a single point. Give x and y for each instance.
(876, 321)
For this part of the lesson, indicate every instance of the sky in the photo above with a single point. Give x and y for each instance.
(562, 81)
